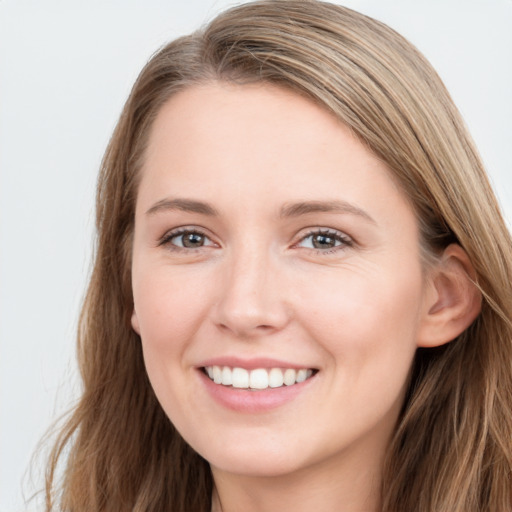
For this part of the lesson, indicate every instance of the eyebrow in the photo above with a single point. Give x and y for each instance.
(185, 205)
(287, 211)
(335, 206)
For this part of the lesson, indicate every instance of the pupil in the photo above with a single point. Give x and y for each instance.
(322, 241)
(193, 240)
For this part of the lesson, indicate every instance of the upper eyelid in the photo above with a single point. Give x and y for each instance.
(185, 229)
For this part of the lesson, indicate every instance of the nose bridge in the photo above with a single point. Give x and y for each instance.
(251, 299)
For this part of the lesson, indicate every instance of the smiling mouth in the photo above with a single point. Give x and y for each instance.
(259, 378)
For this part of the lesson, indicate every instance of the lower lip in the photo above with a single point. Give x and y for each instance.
(246, 400)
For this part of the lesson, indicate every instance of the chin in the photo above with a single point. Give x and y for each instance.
(253, 459)
(259, 466)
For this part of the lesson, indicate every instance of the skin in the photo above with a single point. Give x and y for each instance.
(258, 288)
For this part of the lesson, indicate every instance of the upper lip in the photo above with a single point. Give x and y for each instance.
(252, 364)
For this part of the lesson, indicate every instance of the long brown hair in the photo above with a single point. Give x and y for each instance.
(452, 451)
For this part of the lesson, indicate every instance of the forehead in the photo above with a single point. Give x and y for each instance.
(247, 114)
(225, 142)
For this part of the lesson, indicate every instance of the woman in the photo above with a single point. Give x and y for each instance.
(301, 290)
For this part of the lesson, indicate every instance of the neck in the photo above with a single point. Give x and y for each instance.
(347, 487)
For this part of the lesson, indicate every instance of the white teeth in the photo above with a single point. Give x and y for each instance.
(275, 378)
(240, 378)
(227, 378)
(217, 375)
(259, 378)
(301, 375)
(289, 376)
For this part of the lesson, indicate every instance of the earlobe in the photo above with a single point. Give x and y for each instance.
(452, 301)
(135, 322)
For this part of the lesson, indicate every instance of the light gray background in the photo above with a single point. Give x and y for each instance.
(66, 68)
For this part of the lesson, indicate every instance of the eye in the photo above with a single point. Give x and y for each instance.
(186, 239)
(325, 240)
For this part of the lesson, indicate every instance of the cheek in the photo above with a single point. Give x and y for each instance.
(168, 308)
(367, 330)
(368, 319)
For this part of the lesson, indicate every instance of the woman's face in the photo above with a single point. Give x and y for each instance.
(271, 246)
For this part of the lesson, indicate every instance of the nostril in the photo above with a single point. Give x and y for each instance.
(245, 331)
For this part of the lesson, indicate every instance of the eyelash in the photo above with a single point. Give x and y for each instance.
(337, 236)
(344, 240)
(166, 239)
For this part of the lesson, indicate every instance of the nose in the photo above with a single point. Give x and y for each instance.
(252, 299)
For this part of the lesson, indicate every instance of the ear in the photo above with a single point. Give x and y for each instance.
(135, 322)
(452, 299)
